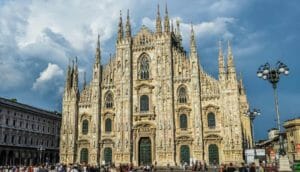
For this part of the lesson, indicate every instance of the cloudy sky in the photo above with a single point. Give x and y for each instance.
(37, 39)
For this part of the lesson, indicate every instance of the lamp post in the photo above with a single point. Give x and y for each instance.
(272, 74)
(252, 114)
(41, 149)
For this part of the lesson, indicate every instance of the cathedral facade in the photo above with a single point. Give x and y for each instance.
(154, 104)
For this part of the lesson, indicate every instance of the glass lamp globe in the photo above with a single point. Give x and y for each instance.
(265, 71)
(281, 70)
(259, 74)
(264, 77)
(286, 72)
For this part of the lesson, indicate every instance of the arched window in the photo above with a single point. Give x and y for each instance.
(211, 121)
(109, 100)
(182, 98)
(85, 126)
(84, 155)
(144, 68)
(183, 121)
(144, 103)
(108, 125)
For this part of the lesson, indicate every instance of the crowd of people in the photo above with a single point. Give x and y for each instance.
(130, 168)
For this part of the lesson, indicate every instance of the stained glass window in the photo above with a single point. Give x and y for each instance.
(108, 125)
(183, 121)
(85, 126)
(144, 103)
(144, 68)
(182, 95)
(109, 101)
(211, 121)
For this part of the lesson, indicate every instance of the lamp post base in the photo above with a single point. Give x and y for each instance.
(284, 164)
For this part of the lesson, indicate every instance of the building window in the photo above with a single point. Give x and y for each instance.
(19, 140)
(144, 68)
(84, 155)
(182, 98)
(5, 138)
(211, 121)
(12, 139)
(144, 103)
(108, 125)
(183, 121)
(7, 121)
(85, 126)
(109, 101)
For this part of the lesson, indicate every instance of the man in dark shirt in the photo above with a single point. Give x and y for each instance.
(230, 168)
(243, 168)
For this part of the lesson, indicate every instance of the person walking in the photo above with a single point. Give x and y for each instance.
(243, 168)
(231, 168)
(252, 167)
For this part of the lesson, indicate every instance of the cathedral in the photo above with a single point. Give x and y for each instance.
(154, 104)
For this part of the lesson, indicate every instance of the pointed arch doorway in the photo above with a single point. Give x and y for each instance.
(145, 151)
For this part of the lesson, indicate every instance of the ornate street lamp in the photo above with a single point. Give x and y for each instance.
(272, 74)
(252, 115)
(41, 149)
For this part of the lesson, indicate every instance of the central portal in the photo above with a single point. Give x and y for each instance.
(145, 151)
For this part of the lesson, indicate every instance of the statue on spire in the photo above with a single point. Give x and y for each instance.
(193, 41)
(231, 73)
(98, 52)
(158, 21)
(167, 21)
(120, 31)
(128, 27)
(222, 72)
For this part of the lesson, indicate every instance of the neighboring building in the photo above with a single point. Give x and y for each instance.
(28, 135)
(292, 129)
(154, 103)
(271, 145)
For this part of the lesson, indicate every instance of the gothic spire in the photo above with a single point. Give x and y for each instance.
(221, 62)
(98, 52)
(241, 85)
(120, 31)
(84, 80)
(178, 34)
(158, 21)
(230, 63)
(167, 21)
(69, 77)
(193, 47)
(128, 27)
(75, 74)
